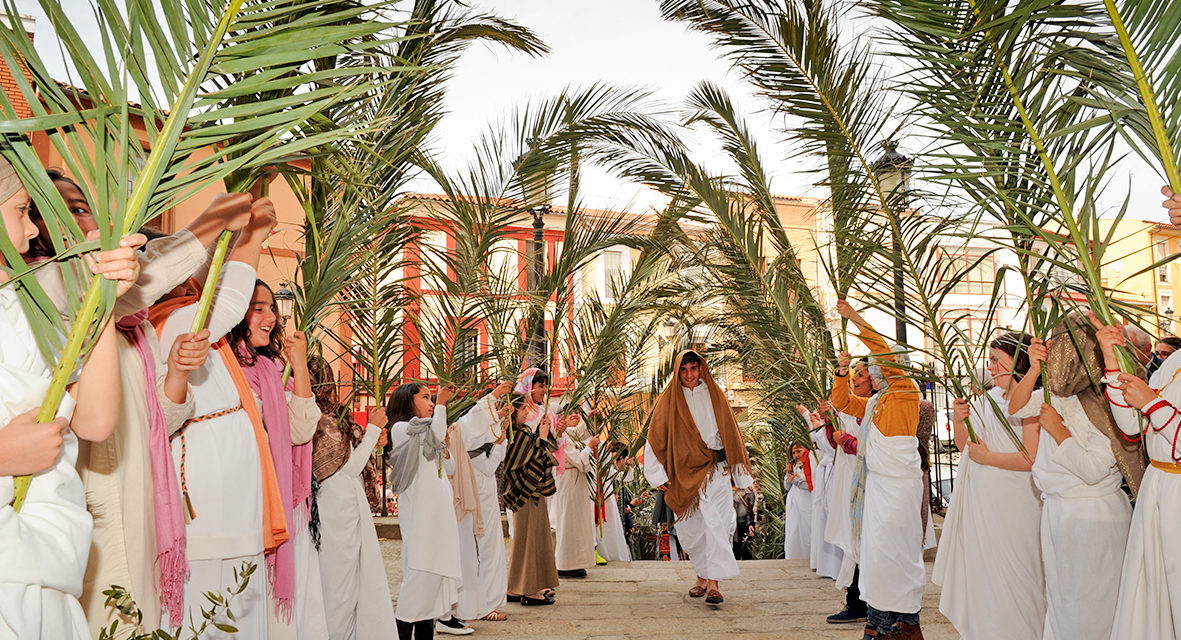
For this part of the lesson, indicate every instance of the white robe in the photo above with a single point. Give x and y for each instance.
(356, 591)
(572, 511)
(1084, 525)
(825, 557)
(430, 536)
(797, 515)
(43, 548)
(838, 531)
(1150, 585)
(609, 536)
(989, 562)
(708, 533)
(891, 556)
(482, 558)
(224, 478)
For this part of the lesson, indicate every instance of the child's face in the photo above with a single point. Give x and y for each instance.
(424, 407)
(15, 212)
(797, 452)
(260, 319)
(539, 392)
(77, 205)
(1000, 364)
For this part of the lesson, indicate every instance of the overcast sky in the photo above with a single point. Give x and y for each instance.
(622, 42)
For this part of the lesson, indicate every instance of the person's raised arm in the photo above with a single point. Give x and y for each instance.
(1126, 414)
(1020, 393)
(841, 399)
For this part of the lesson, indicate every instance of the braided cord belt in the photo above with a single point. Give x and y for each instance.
(190, 514)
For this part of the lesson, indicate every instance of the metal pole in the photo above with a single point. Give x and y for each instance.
(537, 272)
(899, 294)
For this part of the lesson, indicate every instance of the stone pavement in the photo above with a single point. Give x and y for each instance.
(771, 599)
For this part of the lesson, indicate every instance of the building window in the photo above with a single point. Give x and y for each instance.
(1162, 252)
(432, 260)
(981, 271)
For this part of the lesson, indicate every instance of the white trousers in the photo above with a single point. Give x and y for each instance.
(706, 534)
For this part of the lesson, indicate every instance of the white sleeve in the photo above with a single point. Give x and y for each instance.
(439, 422)
(303, 414)
(1127, 418)
(742, 479)
(164, 263)
(361, 453)
(1079, 456)
(487, 464)
(230, 302)
(654, 472)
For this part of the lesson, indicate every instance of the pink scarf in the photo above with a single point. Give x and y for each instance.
(293, 466)
(170, 521)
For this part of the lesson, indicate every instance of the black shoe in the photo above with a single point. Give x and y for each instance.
(845, 616)
(453, 626)
(513, 598)
(572, 573)
(526, 601)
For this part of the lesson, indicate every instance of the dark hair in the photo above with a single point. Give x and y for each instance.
(239, 336)
(41, 246)
(1172, 341)
(1017, 346)
(400, 408)
(151, 233)
(691, 357)
(540, 378)
(518, 400)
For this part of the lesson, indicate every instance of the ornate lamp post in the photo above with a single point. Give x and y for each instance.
(285, 301)
(537, 192)
(893, 171)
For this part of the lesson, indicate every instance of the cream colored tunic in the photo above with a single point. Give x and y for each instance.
(117, 473)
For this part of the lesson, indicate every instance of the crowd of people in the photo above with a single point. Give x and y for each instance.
(181, 462)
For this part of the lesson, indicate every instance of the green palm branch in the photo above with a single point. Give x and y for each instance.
(182, 108)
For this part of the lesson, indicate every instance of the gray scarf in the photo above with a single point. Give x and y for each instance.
(404, 459)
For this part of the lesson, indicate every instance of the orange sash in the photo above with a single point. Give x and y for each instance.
(274, 517)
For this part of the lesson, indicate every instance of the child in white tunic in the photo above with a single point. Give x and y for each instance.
(610, 539)
(989, 560)
(797, 512)
(1150, 585)
(44, 546)
(482, 555)
(217, 453)
(430, 536)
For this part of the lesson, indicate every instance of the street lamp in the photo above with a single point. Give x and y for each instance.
(893, 171)
(1167, 324)
(285, 301)
(537, 192)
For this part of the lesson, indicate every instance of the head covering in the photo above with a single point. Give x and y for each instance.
(678, 446)
(1073, 366)
(10, 183)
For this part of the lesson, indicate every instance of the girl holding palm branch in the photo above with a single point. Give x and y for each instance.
(989, 559)
(46, 544)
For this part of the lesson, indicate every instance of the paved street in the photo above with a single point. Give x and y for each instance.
(772, 599)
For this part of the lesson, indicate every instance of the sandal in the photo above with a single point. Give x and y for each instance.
(697, 591)
(495, 616)
(526, 601)
(549, 593)
(714, 597)
(511, 598)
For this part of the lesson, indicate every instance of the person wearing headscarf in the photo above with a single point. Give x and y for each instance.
(694, 451)
(887, 529)
(1079, 468)
(527, 480)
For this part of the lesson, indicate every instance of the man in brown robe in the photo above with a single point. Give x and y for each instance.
(694, 449)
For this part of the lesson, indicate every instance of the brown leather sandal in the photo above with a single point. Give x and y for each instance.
(713, 597)
(697, 591)
(495, 616)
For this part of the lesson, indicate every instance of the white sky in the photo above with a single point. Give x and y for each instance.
(616, 41)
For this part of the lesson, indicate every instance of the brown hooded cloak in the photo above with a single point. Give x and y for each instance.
(678, 446)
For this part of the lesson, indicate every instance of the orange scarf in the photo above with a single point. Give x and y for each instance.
(274, 519)
(678, 446)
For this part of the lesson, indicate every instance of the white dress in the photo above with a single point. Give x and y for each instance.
(356, 591)
(706, 534)
(430, 536)
(572, 511)
(43, 548)
(838, 531)
(1084, 526)
(222, 472)
(482, 558)
(609, 535)
(797, 515)
(825, 557)
(1150, 585)
(989, 561)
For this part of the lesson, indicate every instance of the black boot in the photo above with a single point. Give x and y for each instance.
(405, 630)
(424, 630)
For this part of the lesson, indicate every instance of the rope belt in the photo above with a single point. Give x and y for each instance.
(1167, 467)
(190, 514)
